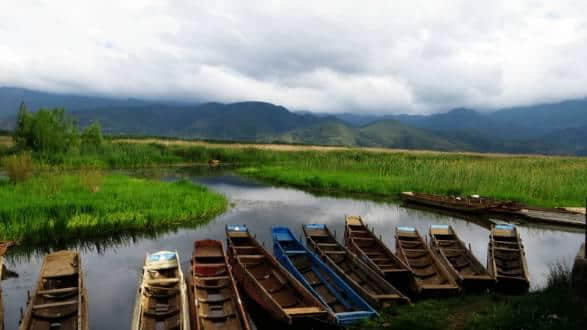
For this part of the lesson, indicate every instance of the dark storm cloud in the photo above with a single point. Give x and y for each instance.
(400, 56)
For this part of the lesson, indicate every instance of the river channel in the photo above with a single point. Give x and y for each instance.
(112, 267)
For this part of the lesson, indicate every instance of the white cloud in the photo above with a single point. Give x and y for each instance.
(382, 56)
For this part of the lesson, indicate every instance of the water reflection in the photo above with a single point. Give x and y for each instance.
(112, 265)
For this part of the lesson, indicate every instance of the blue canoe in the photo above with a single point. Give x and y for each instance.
(345, 305)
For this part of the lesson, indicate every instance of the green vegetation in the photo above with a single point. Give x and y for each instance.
(544, 181)
(55, 206)
(550, 308)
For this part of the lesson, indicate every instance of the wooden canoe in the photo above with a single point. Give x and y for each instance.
(365, 280)
(506, 259)
(214, 296)
(4, 245)
(431, 277)
(371, 250)
(161, 302)
(267, 282)
(344, 304)
(459, 260)
(60, 299)
(455, 203)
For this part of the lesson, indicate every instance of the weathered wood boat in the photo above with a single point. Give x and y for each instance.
(215, 299)
(161, 301)
(506, 259)
(4, 245)
(363, 242)
(60, 299)
(267, 282)
(431, 277)
(456, 203)
(362, 278)
(343, 303)
(459, 260)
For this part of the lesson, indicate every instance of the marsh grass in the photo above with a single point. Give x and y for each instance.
(542, 181)
(122, 204)
(18, 167)
(549, 308)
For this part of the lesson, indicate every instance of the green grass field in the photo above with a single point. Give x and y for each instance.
(54, 206)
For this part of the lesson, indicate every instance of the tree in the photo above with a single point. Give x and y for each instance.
(23, 124)
(46, 131)
(92, 135)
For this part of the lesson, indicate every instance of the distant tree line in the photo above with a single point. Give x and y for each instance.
(53, 131)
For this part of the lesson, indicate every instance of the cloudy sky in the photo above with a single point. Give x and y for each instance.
(329, 56)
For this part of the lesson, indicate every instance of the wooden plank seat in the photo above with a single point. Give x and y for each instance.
(163, 281)
(60, 290)
(327, 244)
(214, 300)
(55, 304)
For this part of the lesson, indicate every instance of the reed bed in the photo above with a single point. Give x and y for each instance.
(54, 207)
(542, 181)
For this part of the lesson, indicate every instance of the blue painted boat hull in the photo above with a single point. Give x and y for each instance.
(344, 304)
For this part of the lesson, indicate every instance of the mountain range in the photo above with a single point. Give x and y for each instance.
(556, 128)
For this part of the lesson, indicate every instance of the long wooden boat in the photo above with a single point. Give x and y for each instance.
(60, 299)
(458, 259)
(267, 282)
(456, 203)
(4, 245)
(215, 299)
(344, 304)
(431, 277)
(363, 242)
(161, 301)
(506, 259)
(362, 278)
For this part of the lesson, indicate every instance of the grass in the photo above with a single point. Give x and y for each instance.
(535, 180)
(56, 207)
(542, 181)
(550, 308)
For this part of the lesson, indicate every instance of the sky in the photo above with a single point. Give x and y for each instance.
(324, 56)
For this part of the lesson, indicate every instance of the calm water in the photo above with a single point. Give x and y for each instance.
(112, 268)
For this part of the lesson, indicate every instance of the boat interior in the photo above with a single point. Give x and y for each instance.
(161, 297)
(362, 239)
(317, 277)
(269, 275)
(419, 258)
(326, 244)
(507, 255)
(456, 253)
(212, 287)
(57, 302)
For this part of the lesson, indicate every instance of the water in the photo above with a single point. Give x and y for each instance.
(112, 268)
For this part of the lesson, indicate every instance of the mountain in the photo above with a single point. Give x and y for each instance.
(556, 128)
(242, 121)
(520, 123)
(11, 97)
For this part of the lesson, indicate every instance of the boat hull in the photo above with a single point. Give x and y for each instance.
(374, 253)
(319, 279)
(362, 278)
(215, 297)
(60, 296)
(475, 206)
(432, 279)
(459, 260)
(506, 260)
(270, 285)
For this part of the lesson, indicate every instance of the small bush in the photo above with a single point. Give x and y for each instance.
(91, 179)
(18, 167)
(559, 275)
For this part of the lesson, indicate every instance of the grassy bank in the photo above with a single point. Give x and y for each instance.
(535, 180)
(544, 181)
(54, 207)
(548, 309)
